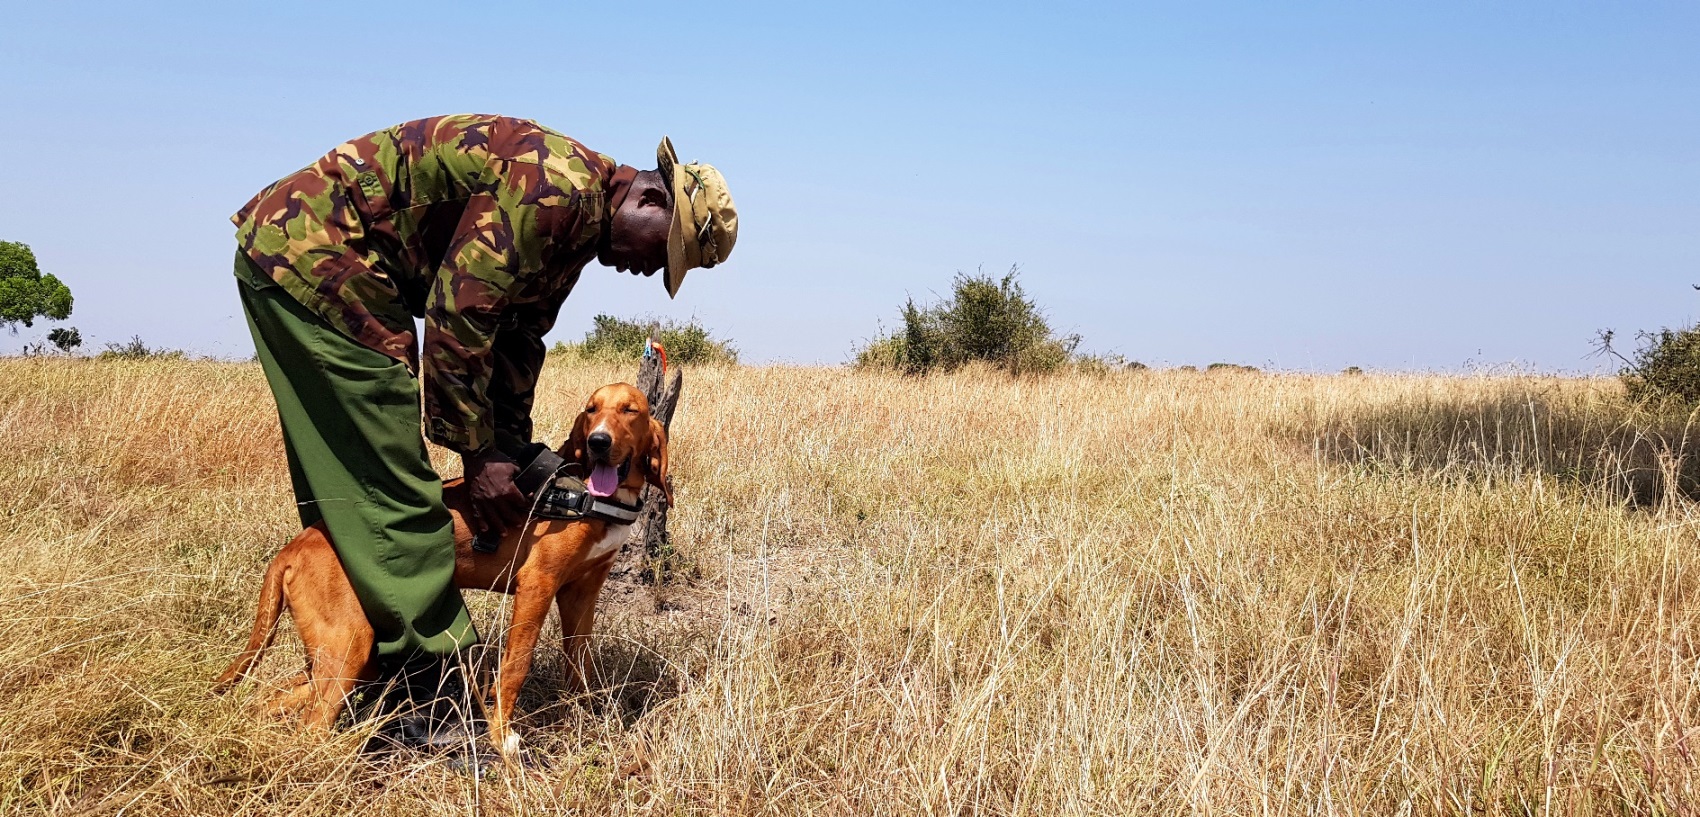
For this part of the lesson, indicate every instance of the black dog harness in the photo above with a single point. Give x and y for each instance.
(566, 498)
(558, 495)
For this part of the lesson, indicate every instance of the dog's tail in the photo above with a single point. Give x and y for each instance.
(265, 626)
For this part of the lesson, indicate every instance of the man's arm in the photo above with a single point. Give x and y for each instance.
(519, 353)
(492, 255)
(485, 264)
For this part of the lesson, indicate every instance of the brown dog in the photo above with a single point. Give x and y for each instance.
(565, 561)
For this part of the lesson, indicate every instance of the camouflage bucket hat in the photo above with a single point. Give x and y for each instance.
(705, 223)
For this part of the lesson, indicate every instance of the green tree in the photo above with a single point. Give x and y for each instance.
(25, 293)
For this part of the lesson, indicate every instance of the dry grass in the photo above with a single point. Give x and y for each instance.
(1151, 593)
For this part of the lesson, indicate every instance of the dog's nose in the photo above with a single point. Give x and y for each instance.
(600, 442)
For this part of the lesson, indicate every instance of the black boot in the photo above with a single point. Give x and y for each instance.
(430, 707)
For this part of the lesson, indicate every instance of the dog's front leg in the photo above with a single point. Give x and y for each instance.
(531, 608)
(577, 603)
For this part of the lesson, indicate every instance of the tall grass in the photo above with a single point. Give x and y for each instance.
(1137, 593)
(1516, 428)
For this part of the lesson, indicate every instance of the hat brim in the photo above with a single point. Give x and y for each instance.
(677, 263)
(667, 161)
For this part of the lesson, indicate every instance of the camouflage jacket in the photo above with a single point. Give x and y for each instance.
(478, 224)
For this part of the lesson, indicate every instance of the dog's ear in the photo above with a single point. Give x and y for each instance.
(655, 462)
(573, 449)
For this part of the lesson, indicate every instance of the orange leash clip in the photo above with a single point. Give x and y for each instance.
(654, 349)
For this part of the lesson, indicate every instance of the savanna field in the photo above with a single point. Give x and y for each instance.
(1130, 593)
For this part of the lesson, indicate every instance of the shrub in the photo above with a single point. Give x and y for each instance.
(883, 352)
(1352, 371)
(918, 346)
(1230, 367)
(25, 293)
(986, 319)
(614, 339)
(135, 349)
(1106, 364)
(1666, 365)
(65, 339)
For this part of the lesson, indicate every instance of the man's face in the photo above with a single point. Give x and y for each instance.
(637, 235)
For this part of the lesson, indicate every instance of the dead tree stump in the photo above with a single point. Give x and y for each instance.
(648, 545)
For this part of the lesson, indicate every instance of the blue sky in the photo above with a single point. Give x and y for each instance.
(1302, 186)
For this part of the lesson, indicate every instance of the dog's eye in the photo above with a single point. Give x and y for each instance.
(629, 410)
(589, 409)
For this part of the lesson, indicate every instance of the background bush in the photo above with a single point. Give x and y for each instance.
(1106, 364)
(614, 339)
(1666, 365)
(986, 319)
(136, 349)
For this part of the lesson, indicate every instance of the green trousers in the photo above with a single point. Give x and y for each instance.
(351, 429)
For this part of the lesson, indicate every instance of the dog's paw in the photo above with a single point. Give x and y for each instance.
(511, 745)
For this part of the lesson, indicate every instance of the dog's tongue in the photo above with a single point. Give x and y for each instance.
(604, 480)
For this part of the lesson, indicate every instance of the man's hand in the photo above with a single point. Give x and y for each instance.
(497, 503)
